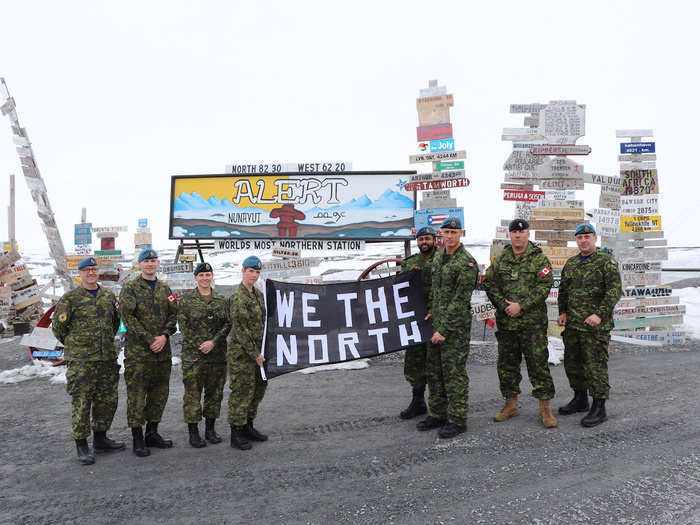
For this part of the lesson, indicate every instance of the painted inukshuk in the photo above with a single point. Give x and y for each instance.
(540, 157)
(647, 310)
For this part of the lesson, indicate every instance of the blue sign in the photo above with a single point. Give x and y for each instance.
(83, 233)
(435, 216)
(638, 147)
(442, 145)
(143, 223)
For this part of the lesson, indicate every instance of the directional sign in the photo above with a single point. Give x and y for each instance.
(558, 213)
(643, 243)
(625, 133)
(435, 216)
(437, 175)
(640, 279)
(523, 210)
(432, 115)
(295, 167)
(109, 229)
(665, 320)
(629, 267)
(531, 121)
(528, 196)
(526, 108)
(609, 200)
(637, 158)
(560, 252)
(176, 268)
(440, 101)
(639, 182)
(559, 149)
(439, 145)
(436, 184)
(554, 184)
(645, 311)
(656, 336)
(553, 224)
(563, 121)
(483, 311)
(560, 168)
(432, 157)
(522, 161)
(559, 204)
(83, 233)
(609, 180)
(639, 205)
(633, 302)
(433, 91)
(642, 254)
(638, 147)
(640, 223)
(448, 165)
(565, 235)
(637, 165)
(654, 291)
(517, 187)
(435, 132)
(288, 264)
(520, 134)
(641, 235)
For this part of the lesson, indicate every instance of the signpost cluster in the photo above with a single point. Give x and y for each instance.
(540, 158)
(436, 145)
(647, 310)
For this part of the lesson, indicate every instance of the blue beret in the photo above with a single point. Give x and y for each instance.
(88, 261)
(203, 267)
(252, 262)
(584, 228)
(451, 223)
(425, 230)
(148, 254)
(518, 225)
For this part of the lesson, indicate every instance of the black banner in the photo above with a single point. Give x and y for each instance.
(310, 325)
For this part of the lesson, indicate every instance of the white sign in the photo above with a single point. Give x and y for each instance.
(643, 243)
(176, 268)
(42, 338)
(282, 274)
(609, 180)
(625, 133)
(640, 267)
(287, 167)
(434, 157)
(560, 204)
(560, 168)
(659, 337)
(483, 311)
(642, 254)
(637, 157)
(637, 165)
(559, 149)
(287, 264)
(639, 205)
(563, 122)
(653, 234)
(647, 301)
(105, 229)
(644, 311)
(641, 279)
(666, 320)
(520, 133)
(438, 175)
(554, 184)
(526, 108)
(226, 245)
(432, 91)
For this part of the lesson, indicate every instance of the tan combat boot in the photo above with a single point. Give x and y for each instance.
(548, 419)
(509, 410)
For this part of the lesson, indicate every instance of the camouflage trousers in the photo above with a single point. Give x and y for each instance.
(92, 386)
(247, 389)
(147, 390)
(532, 344)
(199, 376)
(448, 382)
(586, 361)
(414, 366)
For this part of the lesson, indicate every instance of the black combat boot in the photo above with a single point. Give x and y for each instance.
(210, 434)
(578, 404)
(154, 439)
(100, 441)
(451, 430)
(238, 439)
(429, 423)
(597, 414)
(251, 433)
(139, 446)
(85, 456)
(417, 406)
(195, 439)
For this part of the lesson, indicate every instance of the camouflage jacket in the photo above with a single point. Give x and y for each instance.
(453, 283)
(86, 325)
(589, 287)
(426, 266)
(526, 280)
(201, 321)
(247, 314)
(147, 314)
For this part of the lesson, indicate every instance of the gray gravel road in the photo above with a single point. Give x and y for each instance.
(339, 453)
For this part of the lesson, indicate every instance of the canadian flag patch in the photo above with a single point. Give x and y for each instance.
(545, 271)
(116, 304)
(171, 298)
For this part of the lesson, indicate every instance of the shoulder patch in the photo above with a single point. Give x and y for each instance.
(470, 264)
(545, 271)
(613, 261)
(171, 298)
(62, 317)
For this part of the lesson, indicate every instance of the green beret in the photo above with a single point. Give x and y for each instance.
(203, 267)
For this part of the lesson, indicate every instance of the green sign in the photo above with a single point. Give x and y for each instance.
(449, 165)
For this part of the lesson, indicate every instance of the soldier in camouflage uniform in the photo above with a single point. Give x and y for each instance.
(414, 360)
(247, 314)
(455, 273)
(149, 311)
(204, 323)
(517, 284)
(589, 290)
(85, 322)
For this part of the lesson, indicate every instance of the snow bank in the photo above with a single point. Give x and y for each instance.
(56, 374)
(690, 297)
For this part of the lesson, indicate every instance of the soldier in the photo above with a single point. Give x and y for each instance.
(86, 321)
(414, 360)
(149, 311)
(204, 323)
(455, 273)
(589, 290)
(517, 284)
(247, 314)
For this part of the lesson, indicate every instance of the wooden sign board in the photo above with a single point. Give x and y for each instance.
(516, 187)
(639, 223)
(642, 243)
(665, 320)
(559, 149)
(609, 201)
(531, 121)
(659, 234)
(565, 235)
(282, 274)
(519, 195)
(637, 165)
(647, 301)
(559, 252)
(522, 160)
(609, 180)
(185, 267)
(432, 115)
(553, 224)
(520, 134)
(645, 311)
(188, 257)
(527, 108)
(639, 182)
(640, 205)
(658, 336)
(26, 297)
(642, 254)
(641, 279)
(286, 253)
(562, 122)
(649, 291)
(433, 157)
(437, 175)
(434, 132)
(13, 274)
(630, 133)
(42, 338)
(523, 210)
(560, 168)
(553, 184)
(483, 311)
(440, 101)
(558, 262)
(627, 267)
(560, 204)
(436, 184)
(637, 157)
(558, 213)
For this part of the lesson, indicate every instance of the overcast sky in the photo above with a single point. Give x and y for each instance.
(117, 97)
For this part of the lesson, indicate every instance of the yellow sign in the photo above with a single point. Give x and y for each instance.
(187, 257)
(640, 223)
(557, 213)
(6, 247)
(555, 251)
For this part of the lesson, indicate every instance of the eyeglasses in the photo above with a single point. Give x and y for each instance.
(92, 269)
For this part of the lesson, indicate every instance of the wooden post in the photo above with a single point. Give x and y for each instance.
(11, 217)
(83, 216)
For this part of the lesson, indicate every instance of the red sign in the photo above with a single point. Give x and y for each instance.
(436, 184)
(526, 196)
(434, 132)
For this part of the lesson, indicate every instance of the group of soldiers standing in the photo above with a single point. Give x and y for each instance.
(517, 283)
(86, 321)
(222, 334)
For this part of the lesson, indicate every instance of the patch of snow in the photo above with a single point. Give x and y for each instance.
(690, 297)
(220, 233)
(556, 350)
(357, 364)
(37, 368)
